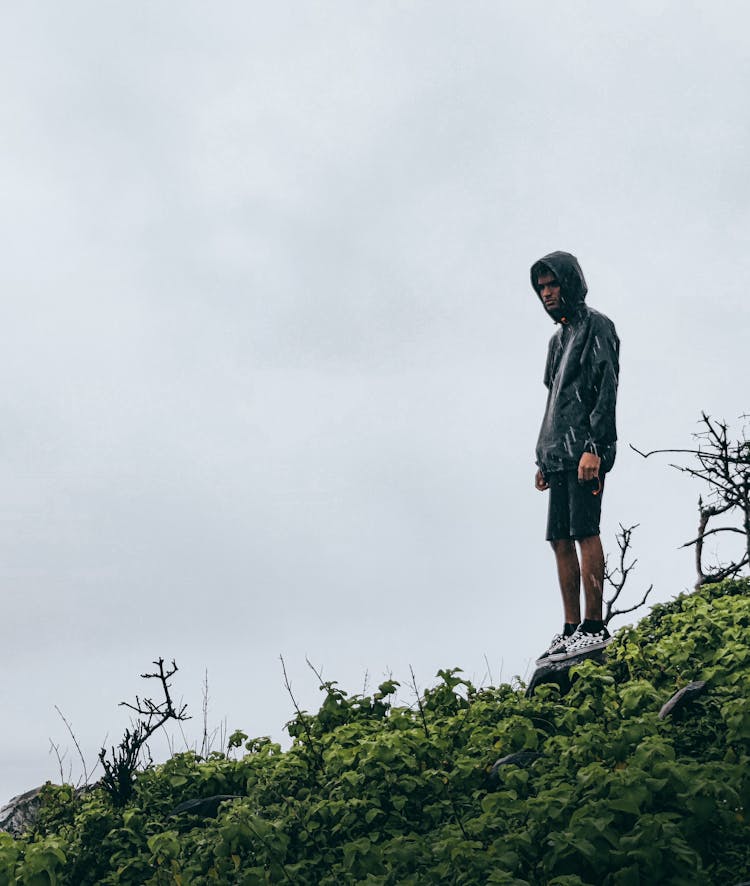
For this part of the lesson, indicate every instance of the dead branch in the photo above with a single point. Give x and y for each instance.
(698, 452)
(55, 748)
(489, 670)
(725, 572)
(125, 759)
(302, 718)
(713, 532)
(630, 608)
(419, 702)
(724, 465)
(78, 749)
(661, 451)
(205, 742)
(317, 671)
(618, 576)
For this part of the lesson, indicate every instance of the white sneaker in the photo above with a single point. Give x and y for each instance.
(580, 642)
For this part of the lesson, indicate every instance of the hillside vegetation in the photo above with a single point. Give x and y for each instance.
(381, 794)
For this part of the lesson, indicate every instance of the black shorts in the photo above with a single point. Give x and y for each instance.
(574, 508)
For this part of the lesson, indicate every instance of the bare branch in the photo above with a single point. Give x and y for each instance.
(302, 718)
(713, 532)
(726, 572)
(204, 708)
(660, 451)
(724, 466)
(697, 452)
(618, 576)
(55, 748)
(123, 762)
(637, 605)
(419, 702)
(318, 672)
(77, 746)
(489, 670)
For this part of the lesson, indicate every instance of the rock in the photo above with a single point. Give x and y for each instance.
(20, 814)
(557, 671)
(523, 759)
(207, 807)
(682, 698)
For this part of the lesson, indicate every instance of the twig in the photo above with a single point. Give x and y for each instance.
(120, 768)
(725, 466)
(633, 608)
(713, 532)
(722, 573)
(301, 718)
(489, 669)
(169, 738)
(56, 749)
(204, 708)
(624, 569)
(419, 702)
(77, 746)
(661, 451)
(458, 819)
(318, 672)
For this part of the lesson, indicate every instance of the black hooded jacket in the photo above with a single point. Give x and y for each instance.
(581, 374)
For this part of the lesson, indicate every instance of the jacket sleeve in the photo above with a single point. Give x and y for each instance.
(604, 354)
(549, 366)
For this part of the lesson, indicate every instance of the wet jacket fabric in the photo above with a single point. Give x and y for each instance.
(581, 374)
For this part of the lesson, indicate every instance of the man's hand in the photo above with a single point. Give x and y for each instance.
(588, 466)
(539, 481)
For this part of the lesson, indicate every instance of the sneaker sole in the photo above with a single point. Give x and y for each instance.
(593, 647)
(544, 659)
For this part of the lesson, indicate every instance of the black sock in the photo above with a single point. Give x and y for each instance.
(591, 626)
(569, 628)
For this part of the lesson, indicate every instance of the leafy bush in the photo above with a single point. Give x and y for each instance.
(371, 792)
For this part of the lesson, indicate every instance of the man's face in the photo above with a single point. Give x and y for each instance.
(549, 290)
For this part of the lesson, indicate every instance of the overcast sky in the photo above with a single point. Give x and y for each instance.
(272, 366)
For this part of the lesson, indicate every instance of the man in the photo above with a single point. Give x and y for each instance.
(576, 446)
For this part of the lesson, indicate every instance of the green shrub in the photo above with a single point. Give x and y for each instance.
(372, 792)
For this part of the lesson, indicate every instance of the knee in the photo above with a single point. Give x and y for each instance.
(562, 546)
(590, 541)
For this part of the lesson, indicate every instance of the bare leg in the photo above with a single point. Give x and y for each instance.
(592, 569)
(569, 573)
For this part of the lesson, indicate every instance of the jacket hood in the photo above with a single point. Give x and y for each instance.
(573, 286)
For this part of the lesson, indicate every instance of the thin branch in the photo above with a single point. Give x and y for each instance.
(56, 749)
(697, 452)
(318, 672)
(302, 718)
(724, 466)
(713, 532)
(624, 569)
(419, 702)
(204, 709)
(124, 761)
(77, 746)
(169, 738)
(457, 816)
(489, 669)
(721, 574)
(660, 451)
(637, 605)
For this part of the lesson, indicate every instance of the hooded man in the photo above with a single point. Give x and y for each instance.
(576, 446)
